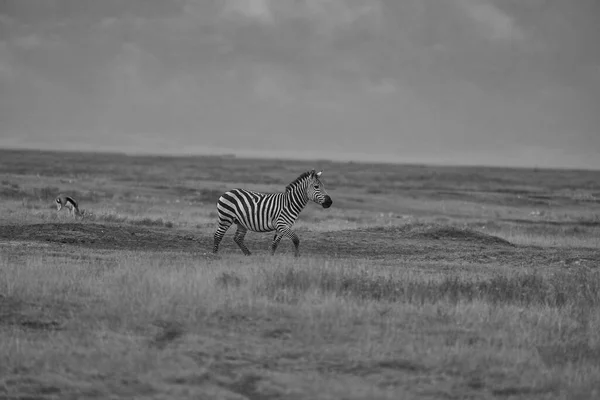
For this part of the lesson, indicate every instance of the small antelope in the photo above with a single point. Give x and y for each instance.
(69, 203)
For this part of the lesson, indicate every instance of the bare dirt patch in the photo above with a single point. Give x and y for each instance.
(94, 235)
(409, 242)
(129, 237)
(439, 232)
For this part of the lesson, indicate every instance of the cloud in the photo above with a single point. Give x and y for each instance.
(272, 86)
(412, 76)
(256, 9)
(493, 22)
(28, 42)
(383, 87)
(332, 15)
(7, 68)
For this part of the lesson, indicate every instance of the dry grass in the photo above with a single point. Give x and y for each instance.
(315, 327)
(401, 292)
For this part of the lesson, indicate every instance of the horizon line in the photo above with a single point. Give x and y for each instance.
(258, 155)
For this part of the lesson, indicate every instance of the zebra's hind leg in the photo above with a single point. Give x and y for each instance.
(238, 238)
(219, 233)
(276, 240)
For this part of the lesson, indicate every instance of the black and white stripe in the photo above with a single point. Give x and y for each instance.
(267, 212)
(69, 203)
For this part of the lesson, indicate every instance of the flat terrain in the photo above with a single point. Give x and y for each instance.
(419, 282)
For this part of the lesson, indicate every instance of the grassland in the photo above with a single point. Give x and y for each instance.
(419, 282)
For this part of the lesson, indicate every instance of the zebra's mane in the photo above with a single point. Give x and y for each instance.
(299, 179)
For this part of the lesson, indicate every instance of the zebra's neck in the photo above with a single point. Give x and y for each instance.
(297, 197)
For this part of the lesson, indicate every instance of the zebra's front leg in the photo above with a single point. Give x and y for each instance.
(287, 233)
(238, 238)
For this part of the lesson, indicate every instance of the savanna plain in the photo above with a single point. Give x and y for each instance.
(420, 282)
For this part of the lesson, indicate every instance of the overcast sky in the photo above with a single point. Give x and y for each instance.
(504, 82)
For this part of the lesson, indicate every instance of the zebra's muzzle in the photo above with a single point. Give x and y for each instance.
(328, 202)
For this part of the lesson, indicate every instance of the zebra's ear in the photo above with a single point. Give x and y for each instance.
(318, 174)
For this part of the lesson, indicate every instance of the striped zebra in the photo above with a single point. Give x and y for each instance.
(268, 212)
(69, 203)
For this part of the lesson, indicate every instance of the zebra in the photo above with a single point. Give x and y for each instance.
(268, 212)
(69, 203)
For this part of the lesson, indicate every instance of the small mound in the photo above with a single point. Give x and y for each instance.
(98, 235)
(442, 232)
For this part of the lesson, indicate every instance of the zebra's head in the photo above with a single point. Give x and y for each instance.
(316, 191)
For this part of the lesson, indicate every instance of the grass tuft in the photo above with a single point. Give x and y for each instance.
(523, 289)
